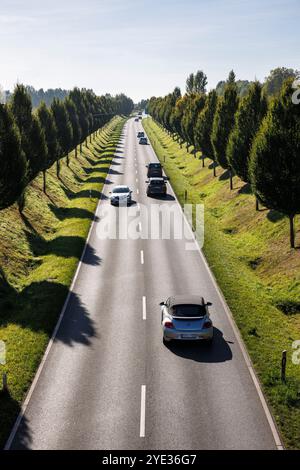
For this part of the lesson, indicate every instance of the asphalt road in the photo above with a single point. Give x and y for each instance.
(108, 381)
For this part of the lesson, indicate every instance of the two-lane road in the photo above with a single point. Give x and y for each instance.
(108, 382)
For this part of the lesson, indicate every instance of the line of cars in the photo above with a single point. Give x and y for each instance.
(183, 317)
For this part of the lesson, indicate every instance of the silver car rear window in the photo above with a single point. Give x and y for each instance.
(188, 311)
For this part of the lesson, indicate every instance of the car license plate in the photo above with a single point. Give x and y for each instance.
(188, 336)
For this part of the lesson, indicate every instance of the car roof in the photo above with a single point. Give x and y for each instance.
(154, 163)
(186, 300)
(157, 178)
(121, 186)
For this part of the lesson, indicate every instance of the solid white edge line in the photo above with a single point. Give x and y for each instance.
(237, 333)
(144, 308)
(142, 257)
(143, 411)
(52, 339)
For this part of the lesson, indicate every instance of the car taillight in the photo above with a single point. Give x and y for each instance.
(169, 324)
(207, 324)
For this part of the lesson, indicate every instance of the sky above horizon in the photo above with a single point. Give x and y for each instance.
(144, 48)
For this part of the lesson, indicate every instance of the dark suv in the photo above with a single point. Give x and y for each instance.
(154, 170)
(156, 187)
(140, 134)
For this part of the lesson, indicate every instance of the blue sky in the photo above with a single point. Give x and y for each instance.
(142, 47)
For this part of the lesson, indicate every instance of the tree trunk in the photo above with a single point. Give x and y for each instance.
(57, 168)
(80, 147)
(68, 160)
(292, 231)
(44, 182)
(214, 168)
(86, 142)
(203, 163)
(90, 138)
(76, 153)
(230, 179)
(21, 202)
(256, 204)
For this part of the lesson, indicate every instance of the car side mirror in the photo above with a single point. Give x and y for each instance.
(162, 304)
(147, 181)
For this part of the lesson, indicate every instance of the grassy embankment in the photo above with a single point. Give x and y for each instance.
(39, 253)
(256, 270)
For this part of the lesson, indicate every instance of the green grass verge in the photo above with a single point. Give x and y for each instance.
(39, 253)
(256, 270)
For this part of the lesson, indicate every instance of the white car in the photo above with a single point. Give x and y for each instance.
(121, 195)
(186, 317)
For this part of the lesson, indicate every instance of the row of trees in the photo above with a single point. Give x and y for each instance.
(31, 141)
(256, 137)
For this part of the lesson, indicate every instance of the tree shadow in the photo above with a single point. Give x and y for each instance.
(93, 162)
(64, 246)
(98, 179)
(118, 156)
(63, 213)
(213, 165)
(38, 305)
(224, 176)
(245, 189)
(111, 171)
(84, 193)
(219, 351)
(37, 308)
(9, 411)
(275, 216)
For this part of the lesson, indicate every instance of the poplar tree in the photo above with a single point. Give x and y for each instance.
(275, 158)
(48, 124)
(12, 159)
(224, 122)
(252, 109)
(64, 130)
(204, 126)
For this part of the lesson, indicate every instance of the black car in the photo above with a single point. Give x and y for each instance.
(156, 187)
(154, 170)
(140, 134)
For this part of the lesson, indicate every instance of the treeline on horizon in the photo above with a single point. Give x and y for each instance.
(37, 96)
(32, 140)
(254, 134)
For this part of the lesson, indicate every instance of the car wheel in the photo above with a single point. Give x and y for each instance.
(166, 340)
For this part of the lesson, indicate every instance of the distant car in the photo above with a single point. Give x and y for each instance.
(186, 317)
(143, 141)
(156, 187)
(140, 134)
(136, 119)
(154, 169)
(121, 195)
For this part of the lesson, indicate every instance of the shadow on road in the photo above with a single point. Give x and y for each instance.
(219, 351)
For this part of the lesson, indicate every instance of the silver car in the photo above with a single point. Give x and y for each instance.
(121, 195)
(186, 317)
